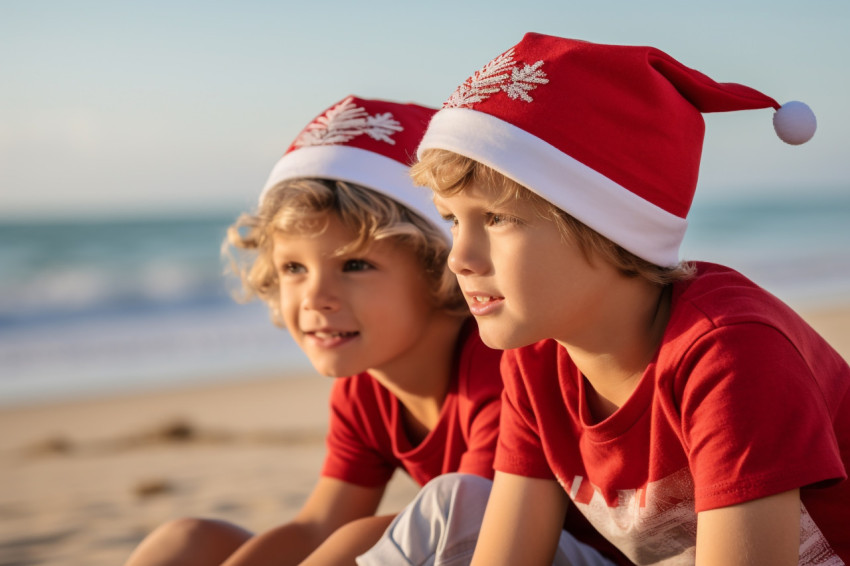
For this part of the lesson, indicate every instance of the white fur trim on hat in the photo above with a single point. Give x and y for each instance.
(355, 165)
(618, 214)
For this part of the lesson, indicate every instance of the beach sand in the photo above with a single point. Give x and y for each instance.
(82, 482)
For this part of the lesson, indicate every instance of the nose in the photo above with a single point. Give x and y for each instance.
(469, 253)
(320, 294)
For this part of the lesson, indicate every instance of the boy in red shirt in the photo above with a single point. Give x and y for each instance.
(686, 413)
(350, 258)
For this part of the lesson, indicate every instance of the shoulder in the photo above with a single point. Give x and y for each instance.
(719, 297)
(727, 331)
(725, 296)
(719, 318)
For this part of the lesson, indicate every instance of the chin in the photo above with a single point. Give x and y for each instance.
(501, 341)
(331, 370)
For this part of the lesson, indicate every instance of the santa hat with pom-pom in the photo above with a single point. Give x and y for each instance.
(610, 134)
(368, 142)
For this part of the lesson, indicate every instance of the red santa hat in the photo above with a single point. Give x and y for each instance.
(368, 142)
(610, 134)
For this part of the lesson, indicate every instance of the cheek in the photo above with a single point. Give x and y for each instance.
(405, 302)
(522, 265)
(289, 304)
(538, 276)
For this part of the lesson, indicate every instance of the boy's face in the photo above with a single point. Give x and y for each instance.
(352, 312)
(523, 281)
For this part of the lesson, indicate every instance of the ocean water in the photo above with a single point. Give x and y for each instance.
(100, 307)
(88, 308)
(796, 246)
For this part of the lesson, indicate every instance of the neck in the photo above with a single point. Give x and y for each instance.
(615, 353)
(421, 379)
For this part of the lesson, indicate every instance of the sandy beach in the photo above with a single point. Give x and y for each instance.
(82, 482)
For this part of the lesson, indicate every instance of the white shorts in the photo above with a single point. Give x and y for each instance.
(440, 528)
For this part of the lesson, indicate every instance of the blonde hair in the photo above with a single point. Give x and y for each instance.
(303, 206)
(448, 173)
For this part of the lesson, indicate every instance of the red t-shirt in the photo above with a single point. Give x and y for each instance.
(742, 400)
(367, 442)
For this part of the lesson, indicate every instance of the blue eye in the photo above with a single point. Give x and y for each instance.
(495, 219)
(356, 265)
(292, 268)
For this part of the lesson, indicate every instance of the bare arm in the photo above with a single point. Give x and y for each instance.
(332, 503)
(760, 532)
(522, 523)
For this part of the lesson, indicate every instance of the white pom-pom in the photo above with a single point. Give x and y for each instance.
(795, 122)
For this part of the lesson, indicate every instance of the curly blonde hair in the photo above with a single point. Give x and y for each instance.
(303, 206)
(448, 173)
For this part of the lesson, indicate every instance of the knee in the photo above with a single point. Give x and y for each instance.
(188, 531)
(190, 536)
(442, 522)
(456, 490)
(459, 486)
(192, 533)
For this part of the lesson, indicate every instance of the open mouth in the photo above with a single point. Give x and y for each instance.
(327, 339)
(481, 305)
(335, 334)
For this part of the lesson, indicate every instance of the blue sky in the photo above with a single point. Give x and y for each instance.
(118, 108)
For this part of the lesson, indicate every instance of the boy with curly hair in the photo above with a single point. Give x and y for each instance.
(351, 258)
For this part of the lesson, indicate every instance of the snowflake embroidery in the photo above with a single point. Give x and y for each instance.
(514, 78)
(346, 121)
